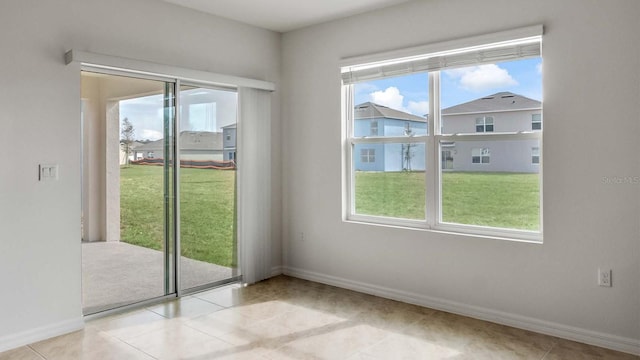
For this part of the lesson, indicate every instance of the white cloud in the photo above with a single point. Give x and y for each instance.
(150, 134)
(419, 108)
(482, 77)
(539, 68)
(392, 98)
(365, 88)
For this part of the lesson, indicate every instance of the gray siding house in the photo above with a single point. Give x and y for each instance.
(500, 112)
(194, 145)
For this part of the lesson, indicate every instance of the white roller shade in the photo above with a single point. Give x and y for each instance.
(457, 55)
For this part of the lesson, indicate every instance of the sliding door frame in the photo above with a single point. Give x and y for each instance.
(172, 239)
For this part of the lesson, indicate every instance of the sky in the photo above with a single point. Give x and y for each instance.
(202, 110)
(410, 93)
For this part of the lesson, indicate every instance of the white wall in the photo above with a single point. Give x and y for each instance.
(40, 101)
(592, 103)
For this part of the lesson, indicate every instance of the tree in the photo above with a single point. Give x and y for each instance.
(127, 133)
(407, 153)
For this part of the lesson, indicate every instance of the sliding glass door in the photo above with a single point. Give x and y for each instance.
(207, 191)
(128, 228)
(159, 179)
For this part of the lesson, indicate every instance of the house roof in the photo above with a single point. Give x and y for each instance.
(189, 140)
(502, 101)
(370, 110)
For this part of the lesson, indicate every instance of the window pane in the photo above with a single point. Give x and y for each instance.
(492, 183)
(395, 106)
(500, 97)
(207, 185)
(391, 183)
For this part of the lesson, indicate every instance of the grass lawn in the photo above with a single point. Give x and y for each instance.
(206, 202)
(208, 207)
(504, 200)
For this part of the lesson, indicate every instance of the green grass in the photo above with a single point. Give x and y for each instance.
(207, 207)
(505, 200)
(394, 194)
(207, 204)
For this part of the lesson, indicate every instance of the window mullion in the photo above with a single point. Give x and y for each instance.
(432, 183)
(349, 179)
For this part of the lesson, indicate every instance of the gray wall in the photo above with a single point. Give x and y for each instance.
(40, 221)
(591, 59)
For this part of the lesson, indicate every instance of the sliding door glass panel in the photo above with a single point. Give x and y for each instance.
(207, 144)
(127, 190)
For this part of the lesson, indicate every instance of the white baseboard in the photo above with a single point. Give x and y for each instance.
(276, 270)
(604, 340)
(42, 333)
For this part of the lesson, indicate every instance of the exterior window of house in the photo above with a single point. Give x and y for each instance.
(536, 122)
(368, 155)
(408, 177)
(228, 137)
(151, 155)
(535, 155)
(374, 127)
(484, 124)
(480, 155)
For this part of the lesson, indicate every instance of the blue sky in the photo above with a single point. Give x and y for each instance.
(204, 110)
(410, 93)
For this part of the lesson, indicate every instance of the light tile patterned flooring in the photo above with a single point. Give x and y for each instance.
(288, 318)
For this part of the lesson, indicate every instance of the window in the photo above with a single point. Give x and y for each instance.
(228, 137)
(484, 124)
(436, 171)
(374, 127)
(480, 155)
(368, 155)
(536, 122)
(535, 155)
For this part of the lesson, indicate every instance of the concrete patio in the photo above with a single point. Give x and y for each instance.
(116, 273)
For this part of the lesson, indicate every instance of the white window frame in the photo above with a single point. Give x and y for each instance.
(535, 153)
(369, 155)
(433, 139)
(486, 121)
(484, 153)
(534, 121)
(372, 128)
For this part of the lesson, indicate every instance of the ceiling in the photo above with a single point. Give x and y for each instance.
(285, 15)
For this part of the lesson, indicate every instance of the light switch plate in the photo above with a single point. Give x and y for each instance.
(47, 172)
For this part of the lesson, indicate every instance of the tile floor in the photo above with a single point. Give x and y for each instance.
(288, 318)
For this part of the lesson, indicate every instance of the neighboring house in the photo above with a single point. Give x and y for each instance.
(229, 141)
(377, 120)
(500, 112)
(194, 145)
(123, 151)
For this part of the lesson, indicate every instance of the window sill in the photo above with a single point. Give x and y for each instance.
(450, 229)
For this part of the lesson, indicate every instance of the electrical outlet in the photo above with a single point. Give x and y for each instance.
(604, 277)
